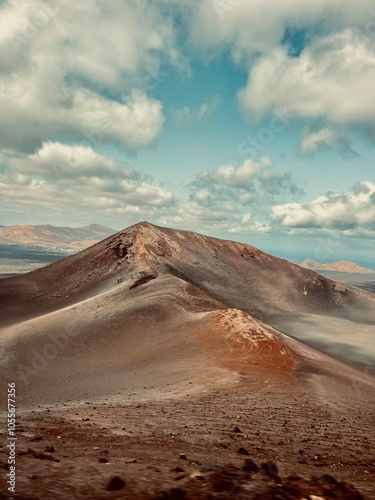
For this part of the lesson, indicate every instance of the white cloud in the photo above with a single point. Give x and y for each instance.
(65, 179)
(69, 70)
(221, 197)
(257, 27)
(329, 83)
(350, 213)
(331, 80)
(242, 176)
(249, 180)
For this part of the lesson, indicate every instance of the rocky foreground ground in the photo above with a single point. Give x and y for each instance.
(233, 442)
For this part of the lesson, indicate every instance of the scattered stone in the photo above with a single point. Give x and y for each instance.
(179, 476)
(103, 460)
(314, 497)
(197, 475)
(36, 438)
(130, 461)
(116, 484)
(250, 466)
(173, 494)
(330, 479)
(222, 444)
(183, 456)
(220, 482)
(237, 430)
(242, 451)
(43, 456)
(49, 449)
(270, 469)
(177, 469)
(294, 477)
(21, 453)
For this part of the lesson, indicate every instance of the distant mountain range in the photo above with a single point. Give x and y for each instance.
(342, 266)
(48, 235)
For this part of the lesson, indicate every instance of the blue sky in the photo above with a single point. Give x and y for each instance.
(244, 119)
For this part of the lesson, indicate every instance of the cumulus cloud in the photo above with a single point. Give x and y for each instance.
(257, 27)
(329, 82)
(63, 178)
(325, 78)
(249, 179)
(222, 197)
(350, 213)
(71, 70)
(190, 116)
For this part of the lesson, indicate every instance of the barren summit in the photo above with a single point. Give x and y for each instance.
(172, 333)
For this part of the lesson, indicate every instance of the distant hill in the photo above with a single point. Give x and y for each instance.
(343, 266)
(48, 235)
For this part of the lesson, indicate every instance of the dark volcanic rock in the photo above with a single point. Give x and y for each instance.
(116, 484)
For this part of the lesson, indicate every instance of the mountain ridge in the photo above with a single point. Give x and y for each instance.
(168, 304)
(273, 291)
(49, 235)
(338, 266)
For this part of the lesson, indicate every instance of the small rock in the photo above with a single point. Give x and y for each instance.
(270, 469)
(103, 460)
(36, 438)
(49, 449)
(250, 466)
(237, 430)
(294, 477)
(174, 494)
(177, 469)
(179, 476)
(220, 482)
(183, 456)
(197, 475)
(242, 451)
(314, 497)
(116, 484)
